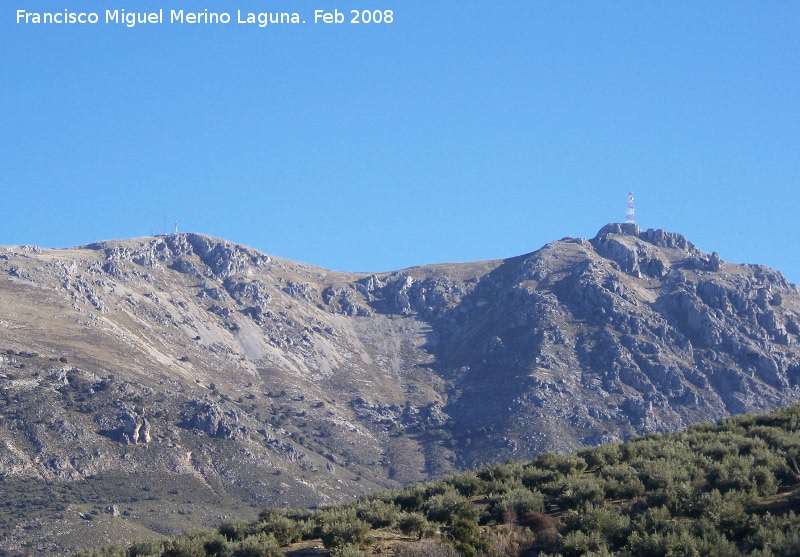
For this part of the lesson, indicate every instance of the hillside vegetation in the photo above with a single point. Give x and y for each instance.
(717, 490)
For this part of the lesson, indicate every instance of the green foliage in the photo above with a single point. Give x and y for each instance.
(604, 455)
(609, 521)
(565, 464)
(715, 490)
(450, 506)
(510, 505)
(621, 481)
(467, 484)
(411, 498)
(281, 527)
(467, 537)
(574, 491)
(341, 527)
(411, 524)
(145, 548)
(234, 530)
(191, 544)
(578, 543)
(377, 513)
(258, 545)
(347, 551)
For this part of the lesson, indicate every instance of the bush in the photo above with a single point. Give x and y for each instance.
(191, 544)
(146, 548)
(411, 499)
(565, 464)
(512, 504)
(621, 482)
(468, 484)
(577, 544)
(377, 513)
(607, 520)
(466, 535)
(414, 523)
(341, 528)
(234, 530)
(580, 490)
(449, 507)
(258, 545)
(282, 528)
(347, 551)
(604, 455)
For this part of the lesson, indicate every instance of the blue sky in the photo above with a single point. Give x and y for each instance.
(461, 131)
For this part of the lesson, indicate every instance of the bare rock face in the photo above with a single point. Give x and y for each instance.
(211, 419)
(207, 371)
(135, 429)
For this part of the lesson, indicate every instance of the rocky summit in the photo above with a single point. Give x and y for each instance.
(153, 385)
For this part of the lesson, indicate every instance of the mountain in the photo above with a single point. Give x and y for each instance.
(156, 384)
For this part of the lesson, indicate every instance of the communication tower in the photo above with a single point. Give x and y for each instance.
(630, 216)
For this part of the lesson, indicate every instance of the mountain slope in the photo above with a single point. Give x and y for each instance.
(173, 380)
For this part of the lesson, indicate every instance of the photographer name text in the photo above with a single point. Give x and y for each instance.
(205, 17)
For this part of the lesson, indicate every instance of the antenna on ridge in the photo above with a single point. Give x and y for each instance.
(176, 225)
(630, 216)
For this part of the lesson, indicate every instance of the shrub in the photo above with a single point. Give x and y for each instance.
(512, 504)
(450, 506)
(146, 548)
(414, 523)
(502, 472)
(580, 490)
(191, 544)
(234, 530)
(216, 546)
(608, 520)
(282, 528)
(604, 455)
(577, 544)
(347, 551)
(411, 499)
(258, 545)
(568, 465)
(467, 484)
(377, 513)
(466, 534)
(338, 529)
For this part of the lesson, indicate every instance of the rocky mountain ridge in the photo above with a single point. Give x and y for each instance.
(218, 377)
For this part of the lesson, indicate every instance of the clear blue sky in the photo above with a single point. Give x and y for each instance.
(461, 131)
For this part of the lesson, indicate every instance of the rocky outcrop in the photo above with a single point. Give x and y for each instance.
(209, 418)
(135, 429)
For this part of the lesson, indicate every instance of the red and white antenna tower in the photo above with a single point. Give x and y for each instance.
(630, 216)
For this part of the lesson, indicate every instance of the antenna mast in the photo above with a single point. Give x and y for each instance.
(176, 225)
(630, 216)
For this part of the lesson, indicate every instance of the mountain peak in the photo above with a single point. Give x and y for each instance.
(248, 377)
